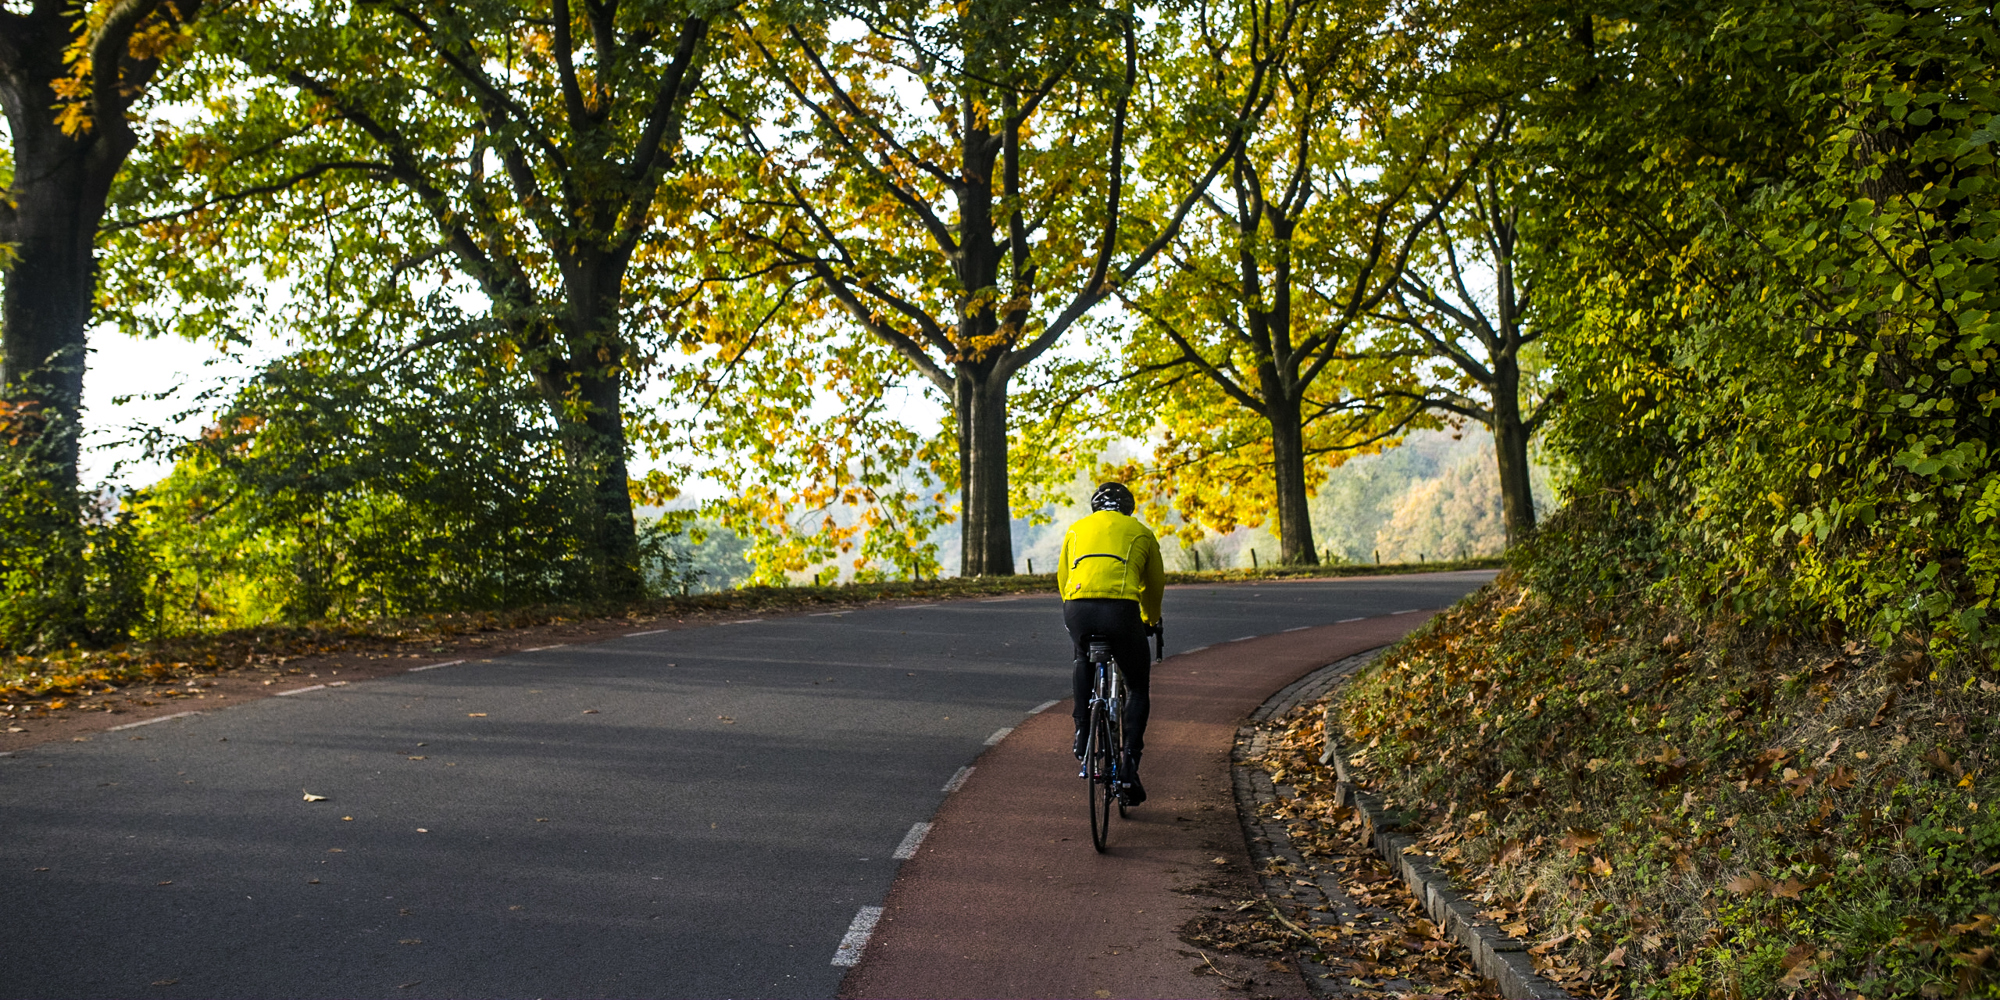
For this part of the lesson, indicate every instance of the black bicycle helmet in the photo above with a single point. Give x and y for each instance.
(1113, 496)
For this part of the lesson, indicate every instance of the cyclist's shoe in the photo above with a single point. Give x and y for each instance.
(1133, 793)
(1076, 745)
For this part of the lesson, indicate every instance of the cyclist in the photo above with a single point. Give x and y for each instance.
(1111, 581)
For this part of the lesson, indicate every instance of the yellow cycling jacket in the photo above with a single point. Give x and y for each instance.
(1109, 554)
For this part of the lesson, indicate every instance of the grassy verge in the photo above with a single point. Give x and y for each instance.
(1676, 807)
(63, 673)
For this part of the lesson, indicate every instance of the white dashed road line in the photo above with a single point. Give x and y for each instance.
(911, 841)
(1044, 706)
(148, 722)
(1344, 621)
(538, 649)
(998, 735)
(849, 952)
(434, 666)
(1301, 628)
(657, 631)
(303, 690)
(958, 779)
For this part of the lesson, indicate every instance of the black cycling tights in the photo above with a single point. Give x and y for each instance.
(1118, 620)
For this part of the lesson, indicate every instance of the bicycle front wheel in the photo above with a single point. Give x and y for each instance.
(1099, 760)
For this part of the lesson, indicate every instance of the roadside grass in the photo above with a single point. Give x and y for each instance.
(55, 676)
(1672, 807)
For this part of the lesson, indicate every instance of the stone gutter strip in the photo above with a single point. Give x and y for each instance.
(1498, 956)
(1281, 871)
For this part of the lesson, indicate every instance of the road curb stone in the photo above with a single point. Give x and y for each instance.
(1498, 957)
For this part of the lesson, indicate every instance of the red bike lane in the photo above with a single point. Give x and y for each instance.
(1006, 898)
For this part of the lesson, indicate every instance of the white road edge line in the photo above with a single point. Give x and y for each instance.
(1301, 628)
(303, 690)
(958, 779)
(911, 841)
(537, 649)
(911, 607)
(657, 631)
(1240, 638)
(1408, 611)
(1045, 706)
(1185, 652)
(849, 952)
(148, 722)
(434, 666)
(1344, 621)
(998, 735)
(743, 621)
(826, 614)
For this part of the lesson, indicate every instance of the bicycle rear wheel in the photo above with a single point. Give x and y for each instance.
(1099, 763)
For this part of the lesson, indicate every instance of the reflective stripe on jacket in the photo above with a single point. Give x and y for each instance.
(1109, 554)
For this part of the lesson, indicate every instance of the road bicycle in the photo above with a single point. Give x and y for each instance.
(1106, 762)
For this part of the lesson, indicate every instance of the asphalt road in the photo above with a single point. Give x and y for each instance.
(698, 812)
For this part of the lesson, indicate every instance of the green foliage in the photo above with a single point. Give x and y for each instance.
(1690, 809)
(328, 490)
(1778, 304)
(72, 568)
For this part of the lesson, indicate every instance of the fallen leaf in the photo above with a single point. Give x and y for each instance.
(1220, 861)
(1990, 869)
(1599, 866)
(1577, 839)
(1791, 887)
(310, 797)
(1617, 957)
(422, 830)
(1979, 924)
(590, 711)
(1516, 930)
(167, 882)
(1745, 884)
(1976, 957)
(347, 819)
(411, 941)
(1799, 966)
(475, 715)
(312, 881)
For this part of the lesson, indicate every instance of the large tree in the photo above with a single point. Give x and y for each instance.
(958, 181)
(521, 146)
(70, 75)
(1468, 303)
(1257, 332)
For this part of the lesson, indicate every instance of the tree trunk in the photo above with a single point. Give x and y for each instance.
(596, 375)
(58, 196)
(1510, 452)
(1288, 470)
(987, 541)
